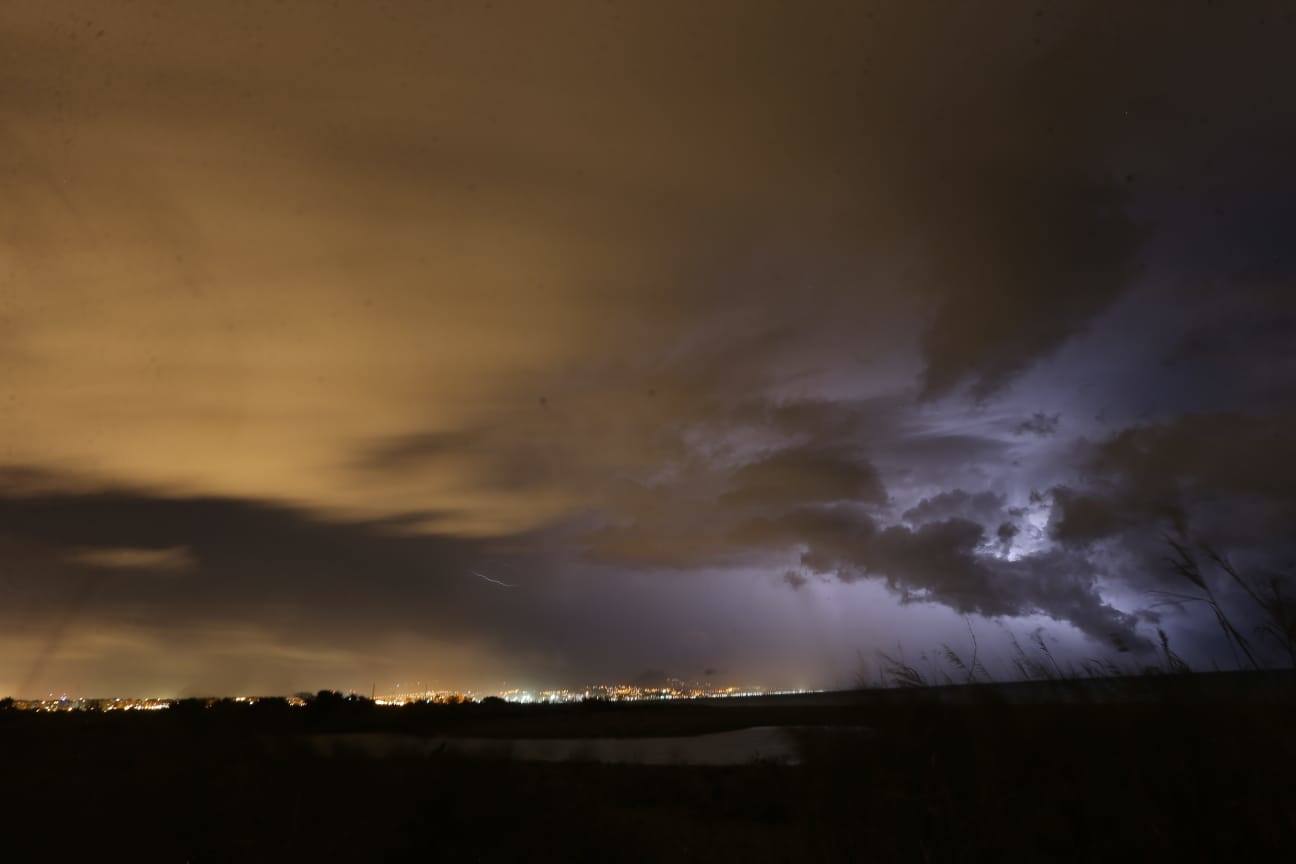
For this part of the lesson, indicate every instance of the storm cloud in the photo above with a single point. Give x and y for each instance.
(306, 312)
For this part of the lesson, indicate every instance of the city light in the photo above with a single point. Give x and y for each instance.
(670, 691)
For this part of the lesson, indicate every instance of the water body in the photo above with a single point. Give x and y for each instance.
(776, 744)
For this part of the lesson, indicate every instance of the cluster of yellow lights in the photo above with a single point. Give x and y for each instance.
(437, 697)
(636, 693)
(608, 692)
(66, 704)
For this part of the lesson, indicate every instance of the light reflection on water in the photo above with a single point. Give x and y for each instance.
(775, 744)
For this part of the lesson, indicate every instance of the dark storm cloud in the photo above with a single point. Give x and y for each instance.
(1047, 257)
(244, 560)
(246, 593)
(265, 598)
(1022, 222)
(1186, 473)
(1237, 348)
(1148, 150)
(981, 507)
(946, 562)
(1006, 533)
(369, 295)
(1081, 517)
(794, 579)
(1040, 424)
(937, 451)
(804, 475)
(1220, 481)
(956, 562)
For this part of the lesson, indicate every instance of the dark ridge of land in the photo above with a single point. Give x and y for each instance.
(1202, 688)
(1199, 768)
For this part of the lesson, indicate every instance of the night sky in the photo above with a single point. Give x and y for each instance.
(516, 344)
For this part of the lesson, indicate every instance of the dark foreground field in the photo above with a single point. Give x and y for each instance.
(1201, 772)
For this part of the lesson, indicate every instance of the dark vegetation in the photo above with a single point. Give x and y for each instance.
(1054, 770)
